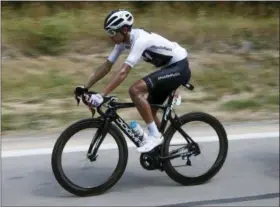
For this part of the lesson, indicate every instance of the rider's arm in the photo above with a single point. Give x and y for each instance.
(132, 59)
(118, 78)
(106, 67)
(99, 73)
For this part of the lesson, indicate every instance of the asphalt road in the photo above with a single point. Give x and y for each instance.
(250, 177)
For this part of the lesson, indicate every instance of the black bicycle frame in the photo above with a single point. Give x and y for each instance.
(111, 115)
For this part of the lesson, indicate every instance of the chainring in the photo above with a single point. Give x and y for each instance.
(150, 160)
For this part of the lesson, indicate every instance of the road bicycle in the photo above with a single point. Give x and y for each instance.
(109, 122)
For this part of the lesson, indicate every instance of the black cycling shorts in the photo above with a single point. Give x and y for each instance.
(163, 81)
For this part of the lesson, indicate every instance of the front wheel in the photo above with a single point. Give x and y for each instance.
(66, 181)
(219, 131)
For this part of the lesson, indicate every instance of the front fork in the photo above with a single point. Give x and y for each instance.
(98, 139)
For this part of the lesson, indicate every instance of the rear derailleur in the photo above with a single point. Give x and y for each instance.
(193, 149)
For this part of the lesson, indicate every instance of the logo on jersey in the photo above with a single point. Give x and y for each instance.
(161, 47)
(147, 56)
(156, 59)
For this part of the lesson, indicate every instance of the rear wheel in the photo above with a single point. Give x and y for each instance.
(220, 132)
(65, 181)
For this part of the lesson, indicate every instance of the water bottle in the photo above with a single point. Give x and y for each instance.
(137, 129)
(177, 100)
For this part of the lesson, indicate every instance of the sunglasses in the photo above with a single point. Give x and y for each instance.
(111, 33)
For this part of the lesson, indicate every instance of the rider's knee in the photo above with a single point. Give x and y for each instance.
(133, 90)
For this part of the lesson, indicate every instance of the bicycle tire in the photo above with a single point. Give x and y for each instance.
(215, 168)
(58, 149)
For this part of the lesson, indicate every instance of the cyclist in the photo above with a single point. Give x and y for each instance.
(168, 57)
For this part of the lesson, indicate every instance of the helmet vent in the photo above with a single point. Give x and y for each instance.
(117, 22)
(111, 20)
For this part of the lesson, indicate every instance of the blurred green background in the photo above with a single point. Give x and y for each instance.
(50, 47)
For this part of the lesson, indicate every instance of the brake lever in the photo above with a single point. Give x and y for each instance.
(78, 100)
(92, 111)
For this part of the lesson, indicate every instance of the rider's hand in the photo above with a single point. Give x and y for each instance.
(79, 90)
(94, 99)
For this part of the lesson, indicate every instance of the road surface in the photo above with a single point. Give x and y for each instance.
(249, 177)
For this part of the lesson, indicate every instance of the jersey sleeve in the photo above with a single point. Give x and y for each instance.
(117, 51)
(136, 51)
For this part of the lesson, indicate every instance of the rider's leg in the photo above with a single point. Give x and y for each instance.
(137, 93)
(155, 110)
(157, 121)
(158, 85)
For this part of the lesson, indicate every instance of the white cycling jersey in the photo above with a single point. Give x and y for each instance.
(152, 47)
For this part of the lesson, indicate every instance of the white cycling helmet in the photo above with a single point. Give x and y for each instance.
(117, 19)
